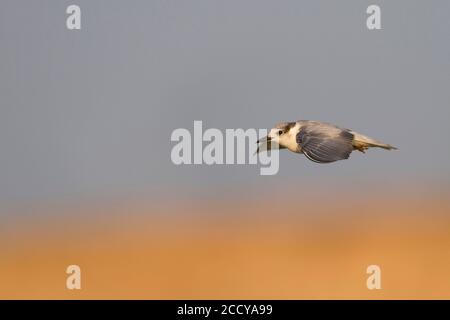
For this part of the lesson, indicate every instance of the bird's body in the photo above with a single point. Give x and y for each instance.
(319, 141)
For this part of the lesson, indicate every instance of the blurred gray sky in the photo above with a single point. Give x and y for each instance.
(90, 112)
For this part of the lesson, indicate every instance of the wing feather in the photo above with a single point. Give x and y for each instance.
(323, 142)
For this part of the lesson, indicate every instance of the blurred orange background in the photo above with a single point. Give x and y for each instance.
(277, 248)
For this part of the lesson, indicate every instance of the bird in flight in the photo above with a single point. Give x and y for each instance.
(319, 141)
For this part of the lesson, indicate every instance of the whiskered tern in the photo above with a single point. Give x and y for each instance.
(319, 141)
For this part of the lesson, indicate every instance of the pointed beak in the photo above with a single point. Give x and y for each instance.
(263, 144)
(265, 139)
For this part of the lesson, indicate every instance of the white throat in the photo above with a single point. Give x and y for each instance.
(289, 139)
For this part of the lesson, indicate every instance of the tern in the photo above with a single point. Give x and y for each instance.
(320, 142)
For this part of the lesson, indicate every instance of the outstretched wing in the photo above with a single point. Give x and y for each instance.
(323, 142)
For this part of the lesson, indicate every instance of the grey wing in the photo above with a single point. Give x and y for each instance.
(324, 143)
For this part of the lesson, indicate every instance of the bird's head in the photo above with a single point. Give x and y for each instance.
(282, 134)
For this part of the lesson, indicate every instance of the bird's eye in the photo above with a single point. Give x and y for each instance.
(280, 132)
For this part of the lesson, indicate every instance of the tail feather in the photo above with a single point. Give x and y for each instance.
(361, 143)
(382, 145)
